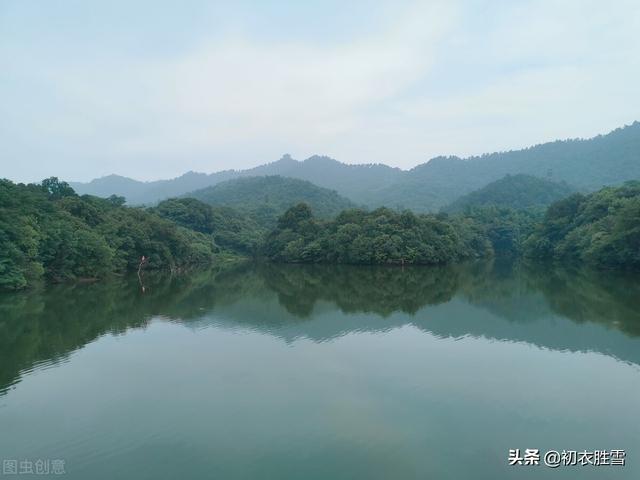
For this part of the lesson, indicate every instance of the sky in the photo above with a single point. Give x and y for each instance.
(151, 89)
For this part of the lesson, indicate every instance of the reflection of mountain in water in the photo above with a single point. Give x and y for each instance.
(551, 308)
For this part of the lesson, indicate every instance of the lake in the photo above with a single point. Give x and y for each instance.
(324, 372)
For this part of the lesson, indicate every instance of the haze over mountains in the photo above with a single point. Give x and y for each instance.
(585, 165)
(352, 181)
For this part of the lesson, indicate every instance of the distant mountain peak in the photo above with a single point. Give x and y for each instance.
(444, 158)
(287, 158)
(320, 159)
(113, 178)
(192, 174)
(587, 164)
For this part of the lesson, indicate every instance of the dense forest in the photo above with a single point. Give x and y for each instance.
(382, 236)
(48, 231)
(586, 164)
(507, 229)
(230, 229)
(513, 191)
(602, 229)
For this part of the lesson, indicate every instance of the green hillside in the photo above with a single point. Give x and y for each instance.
(230, 229)
(587, 165)
(266, 198)
(515, 191)
(382, 236)
(602, 229)
(48, 231)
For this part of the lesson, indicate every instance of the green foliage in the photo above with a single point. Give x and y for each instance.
(602, 229)
(382, 236)
(57, 189)
(230, 229)
(506, 228)
(19, 240)
(47, 231)
(514, 191)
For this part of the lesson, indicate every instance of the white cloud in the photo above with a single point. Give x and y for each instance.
(441, 77)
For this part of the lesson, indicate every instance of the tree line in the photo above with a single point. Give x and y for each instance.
(48, 232)
(601, 229)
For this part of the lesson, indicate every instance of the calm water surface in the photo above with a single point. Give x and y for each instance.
(323, 373)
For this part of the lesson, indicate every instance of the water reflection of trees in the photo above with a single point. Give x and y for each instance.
(515, 291)
(46, 325)
(606, 297)
(379, 290)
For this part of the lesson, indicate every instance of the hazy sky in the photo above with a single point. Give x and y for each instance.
(151, 89)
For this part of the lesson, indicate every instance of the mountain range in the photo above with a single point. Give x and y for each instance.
(584, 164)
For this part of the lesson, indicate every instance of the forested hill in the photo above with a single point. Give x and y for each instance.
(266, 198)
(381, 236)
(602, 229)
(587, 165)
(515, 191)
(230, 229)
(47, 230)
